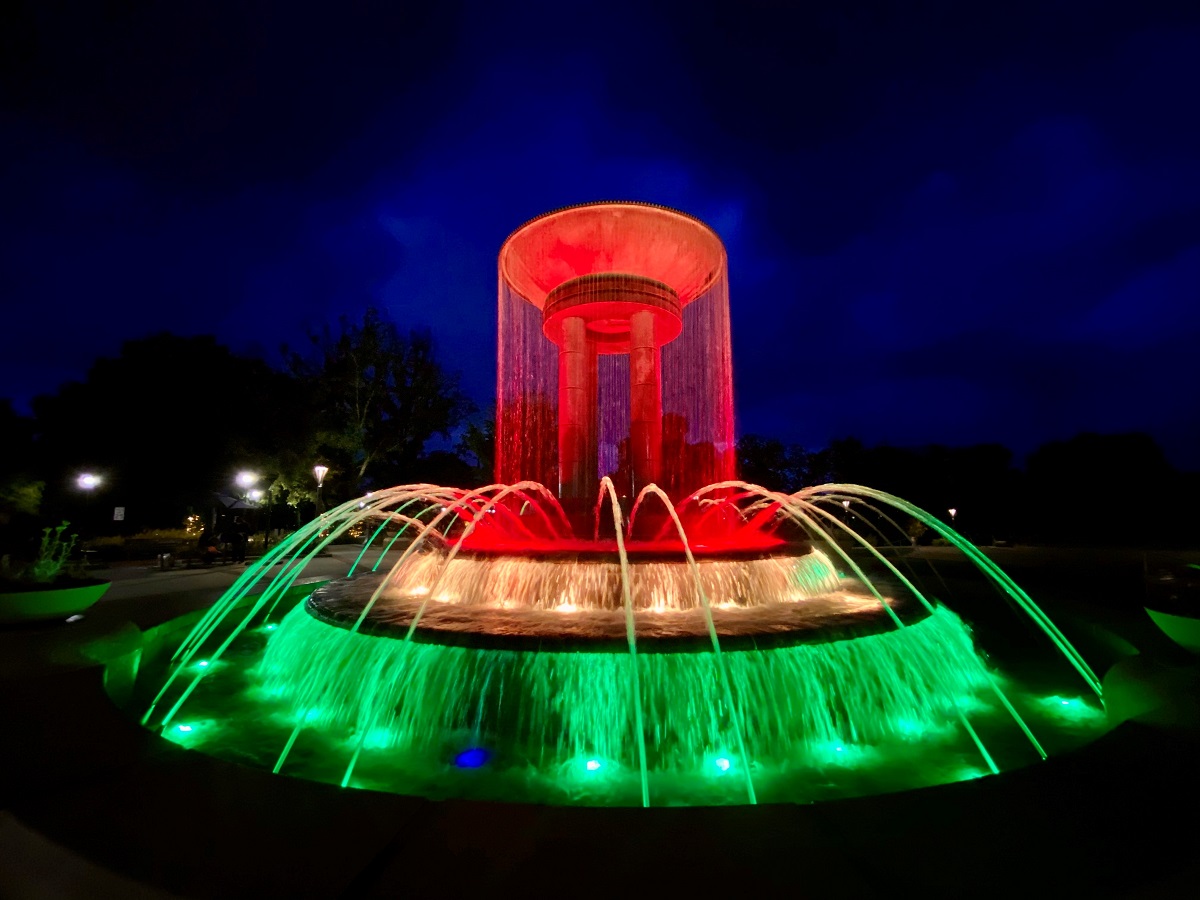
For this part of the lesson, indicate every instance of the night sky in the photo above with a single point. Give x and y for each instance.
(947, 222)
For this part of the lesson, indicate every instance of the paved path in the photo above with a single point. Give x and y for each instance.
(136, 581)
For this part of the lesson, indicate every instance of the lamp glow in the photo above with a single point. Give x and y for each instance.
(88, 481)
(722, 763)
(246, 479)
(319, 472)
(592, 765)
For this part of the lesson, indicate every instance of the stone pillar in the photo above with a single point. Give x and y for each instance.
(576, 412)
(645, 401)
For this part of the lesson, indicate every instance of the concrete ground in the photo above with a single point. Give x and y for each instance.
(92, 806)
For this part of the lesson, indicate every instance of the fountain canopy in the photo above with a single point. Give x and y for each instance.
(614, 352)
(657, 243)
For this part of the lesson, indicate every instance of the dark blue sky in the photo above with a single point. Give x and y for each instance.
(945, 224)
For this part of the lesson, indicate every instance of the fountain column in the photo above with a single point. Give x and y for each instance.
(577, 469)
(608, 314)
(645, 400)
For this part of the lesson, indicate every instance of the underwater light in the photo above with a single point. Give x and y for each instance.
(472, 758)
(593, 765)
(185, 728)
(722, 763)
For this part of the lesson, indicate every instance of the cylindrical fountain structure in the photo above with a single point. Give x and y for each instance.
(614, 352)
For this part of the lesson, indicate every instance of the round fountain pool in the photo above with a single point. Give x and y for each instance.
(601, 642)
(787, 676)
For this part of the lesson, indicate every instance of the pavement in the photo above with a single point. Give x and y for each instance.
(93, 806)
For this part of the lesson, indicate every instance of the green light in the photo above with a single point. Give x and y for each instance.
(203, 663)
(272, 627)
(802, 702)
(185, 728)
(593, 765)
(722, 763)
(1073, 710)
(967, 773)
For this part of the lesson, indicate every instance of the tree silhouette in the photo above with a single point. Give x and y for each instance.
(379, 397)
(167, 423)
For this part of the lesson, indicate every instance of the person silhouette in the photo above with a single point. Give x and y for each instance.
(236, 536)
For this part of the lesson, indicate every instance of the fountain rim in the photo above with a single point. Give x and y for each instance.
(700, 239)
(636, 552)
(697, 641)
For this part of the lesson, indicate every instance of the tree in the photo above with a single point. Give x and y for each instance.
(770, 463)
(167, 423)
(20, 490)
(380, 397)
(477, 447)
(1105, 489)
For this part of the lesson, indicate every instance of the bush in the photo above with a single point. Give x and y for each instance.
(51, 562)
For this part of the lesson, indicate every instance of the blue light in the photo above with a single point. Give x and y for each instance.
(472, 758)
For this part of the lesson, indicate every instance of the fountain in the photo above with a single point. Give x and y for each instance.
(618, 620)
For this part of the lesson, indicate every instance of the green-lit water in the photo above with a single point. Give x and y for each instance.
(827, 716)
(822, 720)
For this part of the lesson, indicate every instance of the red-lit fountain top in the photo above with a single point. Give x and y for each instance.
(614, 355)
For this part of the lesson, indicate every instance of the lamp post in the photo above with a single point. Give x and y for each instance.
(953, 514)
(246, 480)
(88, 482)
(319, 472)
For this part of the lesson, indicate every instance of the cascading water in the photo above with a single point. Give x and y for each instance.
(597, 642)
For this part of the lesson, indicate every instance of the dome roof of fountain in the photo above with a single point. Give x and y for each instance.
(619, 237)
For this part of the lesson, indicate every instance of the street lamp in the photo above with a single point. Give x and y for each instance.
(88, 481)
(245, 480)
(319, 472)
(953, 512)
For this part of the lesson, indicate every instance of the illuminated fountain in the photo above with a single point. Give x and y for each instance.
(618, 620)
